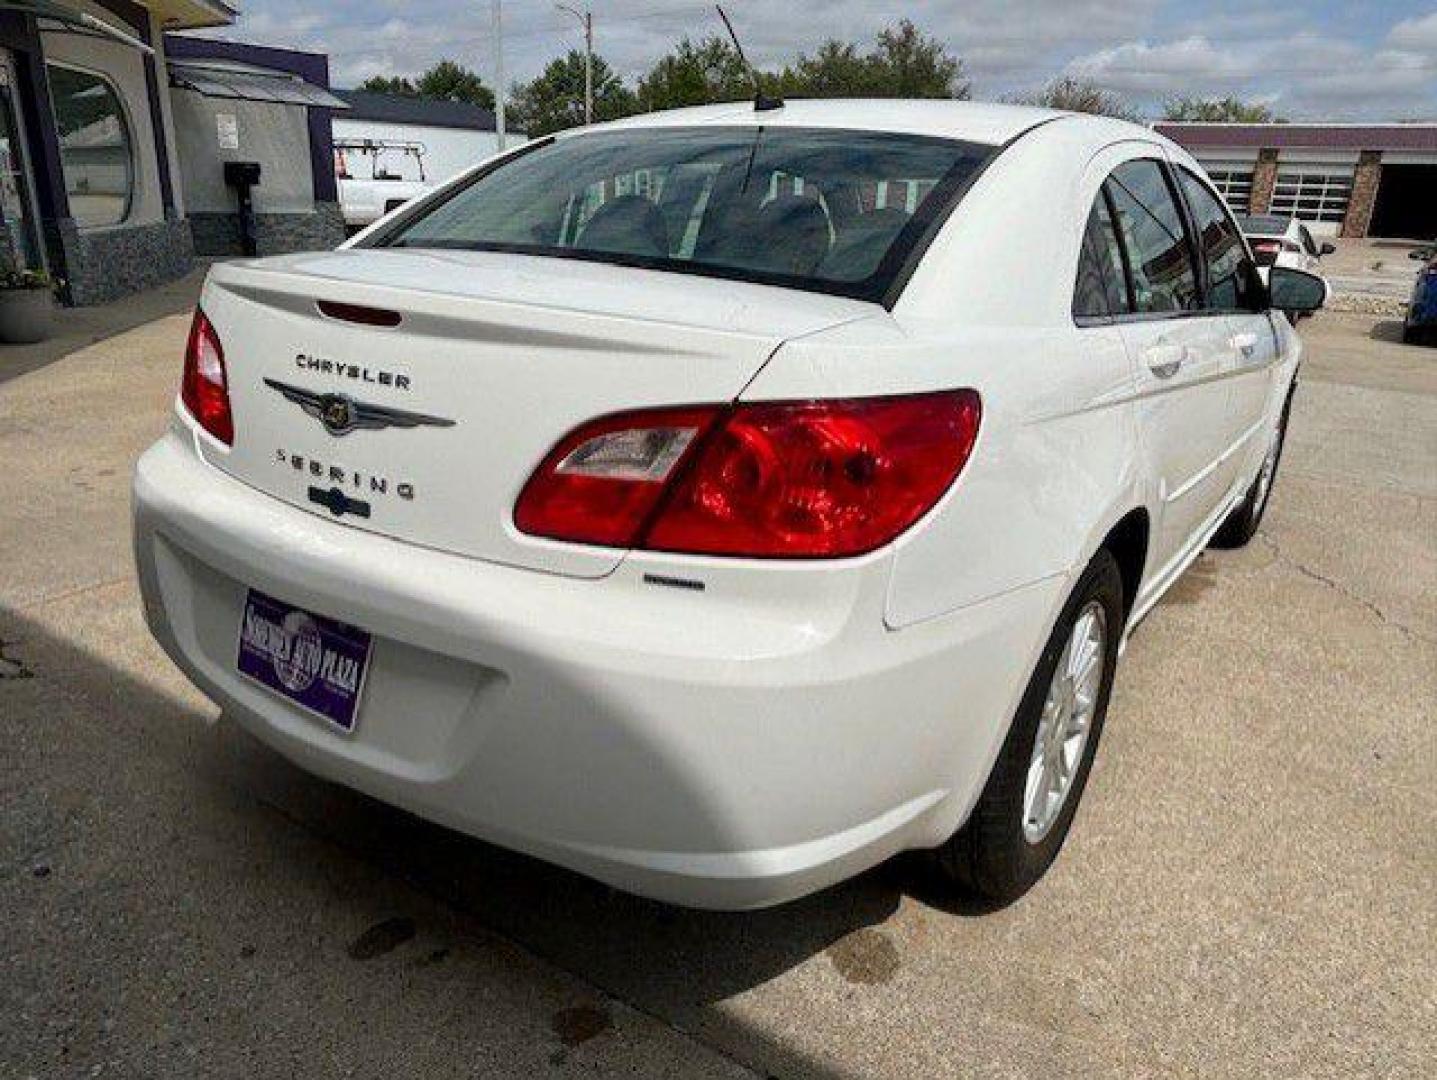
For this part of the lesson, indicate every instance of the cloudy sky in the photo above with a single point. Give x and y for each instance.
(1336, 59)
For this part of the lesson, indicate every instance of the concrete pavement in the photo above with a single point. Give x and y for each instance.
(1248, 890)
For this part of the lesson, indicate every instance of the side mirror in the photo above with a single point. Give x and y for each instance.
(1327, 248)
(1295, 291)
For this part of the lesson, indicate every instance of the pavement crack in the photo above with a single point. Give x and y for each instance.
(1341, 589)
(70, 594)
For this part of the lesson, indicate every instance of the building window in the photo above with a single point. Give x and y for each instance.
(1313, 194)
(1235, 186)
(96, 150)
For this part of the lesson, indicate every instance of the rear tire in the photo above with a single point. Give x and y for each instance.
(1242, 524)
(1015, 832)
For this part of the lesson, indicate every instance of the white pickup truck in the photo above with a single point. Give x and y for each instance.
(364, 199)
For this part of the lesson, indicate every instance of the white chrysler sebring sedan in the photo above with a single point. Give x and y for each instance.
(719, 502)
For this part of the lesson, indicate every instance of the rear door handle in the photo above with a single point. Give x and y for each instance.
(1164, 359)
(1245, 343)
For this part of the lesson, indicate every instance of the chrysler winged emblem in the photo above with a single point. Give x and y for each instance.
(341, 414)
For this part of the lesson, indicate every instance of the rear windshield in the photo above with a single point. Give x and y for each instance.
(827, 210)
(1262, 224)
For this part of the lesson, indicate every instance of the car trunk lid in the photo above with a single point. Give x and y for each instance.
(426, 430)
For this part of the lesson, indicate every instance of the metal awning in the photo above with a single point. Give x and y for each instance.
(71, 19)
(249, 84)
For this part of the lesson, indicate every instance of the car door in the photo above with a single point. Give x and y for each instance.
(1232, 291)
(1180, 354)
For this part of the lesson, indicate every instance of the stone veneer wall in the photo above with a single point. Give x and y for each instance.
(1264, 180)
(107, 264)
(1366, 178)
(275, 234)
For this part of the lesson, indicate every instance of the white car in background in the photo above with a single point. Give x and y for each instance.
(718, 502)
(1283, 241)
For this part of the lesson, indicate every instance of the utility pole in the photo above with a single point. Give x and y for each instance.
(587, 19)
(499, 73)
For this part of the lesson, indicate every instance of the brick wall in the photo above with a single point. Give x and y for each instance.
(1365, 181)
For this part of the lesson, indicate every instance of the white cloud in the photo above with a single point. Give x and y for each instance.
(1310, 76)
(1141, 67)
(1418, 33)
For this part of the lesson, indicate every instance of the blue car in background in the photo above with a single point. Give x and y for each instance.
(1421, 325)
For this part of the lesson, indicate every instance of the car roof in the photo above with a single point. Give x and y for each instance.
(971, 121)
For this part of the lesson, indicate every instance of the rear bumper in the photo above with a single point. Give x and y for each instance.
(729, 748)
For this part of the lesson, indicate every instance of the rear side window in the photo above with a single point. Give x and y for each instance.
(1151, 226)
(1101, 289)
(1231, 279)
(828, 210)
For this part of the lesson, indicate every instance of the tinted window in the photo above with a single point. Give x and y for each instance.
(1153, 235)
(1230, 276)
(95, 146)
(835, 211)
(1263, 224)
(1101, 287)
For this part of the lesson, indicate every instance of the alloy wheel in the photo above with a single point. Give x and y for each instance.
(1065, 724)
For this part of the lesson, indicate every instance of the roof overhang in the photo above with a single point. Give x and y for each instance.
(238, 82)
(70, 17)
(192, 14)
(172, 15)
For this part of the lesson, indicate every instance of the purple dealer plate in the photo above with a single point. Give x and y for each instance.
(315, 662)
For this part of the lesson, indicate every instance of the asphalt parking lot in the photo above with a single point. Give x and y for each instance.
(1248, 890)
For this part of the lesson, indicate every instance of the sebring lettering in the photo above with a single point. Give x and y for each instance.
(341, 476)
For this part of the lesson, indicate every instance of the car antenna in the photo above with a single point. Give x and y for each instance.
(761, 101)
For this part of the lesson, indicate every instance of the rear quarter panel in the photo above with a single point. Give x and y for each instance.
(989, 307)
(1054, 456)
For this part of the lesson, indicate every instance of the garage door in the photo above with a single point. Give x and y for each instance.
(1234, 184)
(1316, 195)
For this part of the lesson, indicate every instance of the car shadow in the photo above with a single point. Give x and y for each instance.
(668, 960)
(674, 963)
(1389, 330)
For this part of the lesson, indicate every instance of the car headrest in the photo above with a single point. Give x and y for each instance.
(628, 225)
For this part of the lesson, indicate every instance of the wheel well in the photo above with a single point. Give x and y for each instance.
(1128, 542)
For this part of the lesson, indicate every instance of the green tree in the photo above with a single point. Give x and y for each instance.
(1217, 110)
(448, 81)
(1080, 95)
(913, 65)
(554, 100)
(701, 74)
(904, 63)
(389, 84)
(836, 70)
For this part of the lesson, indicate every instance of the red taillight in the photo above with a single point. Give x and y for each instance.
(820, 479)
(1270, 247)
(601, 483)
(205, 386)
